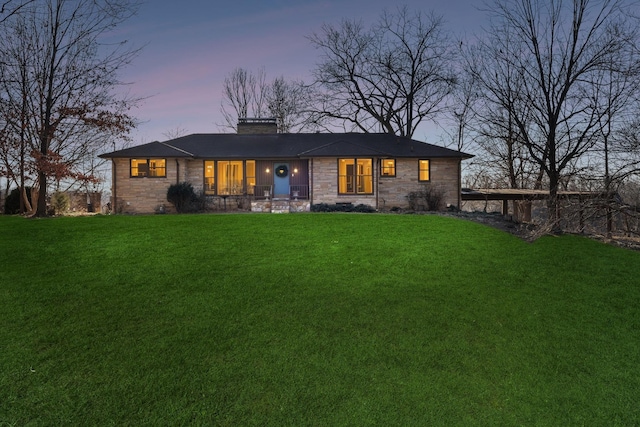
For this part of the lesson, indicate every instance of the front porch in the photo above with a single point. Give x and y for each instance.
(295, 200)
(260, 198)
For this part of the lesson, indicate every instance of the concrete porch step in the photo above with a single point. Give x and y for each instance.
(280, 206)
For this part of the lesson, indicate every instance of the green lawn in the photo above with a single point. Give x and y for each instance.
(312, 319)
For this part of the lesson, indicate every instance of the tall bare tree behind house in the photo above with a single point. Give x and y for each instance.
(556, 53)
(390, 77)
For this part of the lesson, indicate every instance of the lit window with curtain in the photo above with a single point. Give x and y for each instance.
(251, 175)
(355, 176)
(230, 177)
(424, 173)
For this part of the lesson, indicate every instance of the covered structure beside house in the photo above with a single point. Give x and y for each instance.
(271, 171)
(522, 198)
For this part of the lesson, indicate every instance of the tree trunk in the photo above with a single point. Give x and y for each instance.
(553, 203)
(25, 206)
(41, 204)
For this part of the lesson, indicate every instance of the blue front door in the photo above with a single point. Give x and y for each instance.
(281, 179)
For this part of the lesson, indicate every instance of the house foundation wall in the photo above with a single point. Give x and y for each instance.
(280, 207)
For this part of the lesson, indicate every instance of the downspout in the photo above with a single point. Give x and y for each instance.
(311, 181)
(459, 184)
(114, 193)
(376, 174)
(177, 162)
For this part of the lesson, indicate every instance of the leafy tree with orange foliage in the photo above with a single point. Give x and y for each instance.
(57, 100)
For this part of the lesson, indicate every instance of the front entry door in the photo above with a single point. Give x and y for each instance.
(281, 179)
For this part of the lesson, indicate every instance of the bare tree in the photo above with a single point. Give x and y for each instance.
(175, 132)
(289, 103)
(462, 113)
(16, 88)
(236, 97)
(243, 95)
(390, 77)
(555, 53)
(258, 93)
(9, 8)
(500, 143)
(53, 48)
(246, 94)
(616, 96)
(624, 150)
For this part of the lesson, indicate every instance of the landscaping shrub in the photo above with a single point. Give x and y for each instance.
(12, 202)
(341, 207)
(428, 199)
(321, 207)
(183, 197)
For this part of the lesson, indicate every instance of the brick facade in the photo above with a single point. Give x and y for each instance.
(444, 175)
(134, 195)
(257, 126)
(391, 191)
(194, 174)
(147, 195)
(324, 185)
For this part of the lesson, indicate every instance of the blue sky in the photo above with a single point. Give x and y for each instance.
(191, 46)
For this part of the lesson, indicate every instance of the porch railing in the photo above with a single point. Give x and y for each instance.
(235, 190)
(262, 192)
(299, 192)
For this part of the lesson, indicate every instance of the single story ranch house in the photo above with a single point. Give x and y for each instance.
(280, 172)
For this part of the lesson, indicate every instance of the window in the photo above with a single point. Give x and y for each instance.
(154, 168)
(225, 177)
(230, 177)
(388, 167)
(209, 177)
(354, 176)
(423, 173)
(251, 175)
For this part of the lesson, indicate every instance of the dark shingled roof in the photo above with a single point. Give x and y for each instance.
(287, 145)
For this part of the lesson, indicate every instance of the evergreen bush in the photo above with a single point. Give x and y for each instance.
(183, 197)
(12, 202)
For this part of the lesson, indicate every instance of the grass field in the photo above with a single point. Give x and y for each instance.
(312, 319)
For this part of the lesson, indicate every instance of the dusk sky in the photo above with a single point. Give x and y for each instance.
(192, 45)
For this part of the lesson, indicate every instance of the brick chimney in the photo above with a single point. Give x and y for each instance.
(257, 125)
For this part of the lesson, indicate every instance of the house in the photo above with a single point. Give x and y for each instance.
(271, 171)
